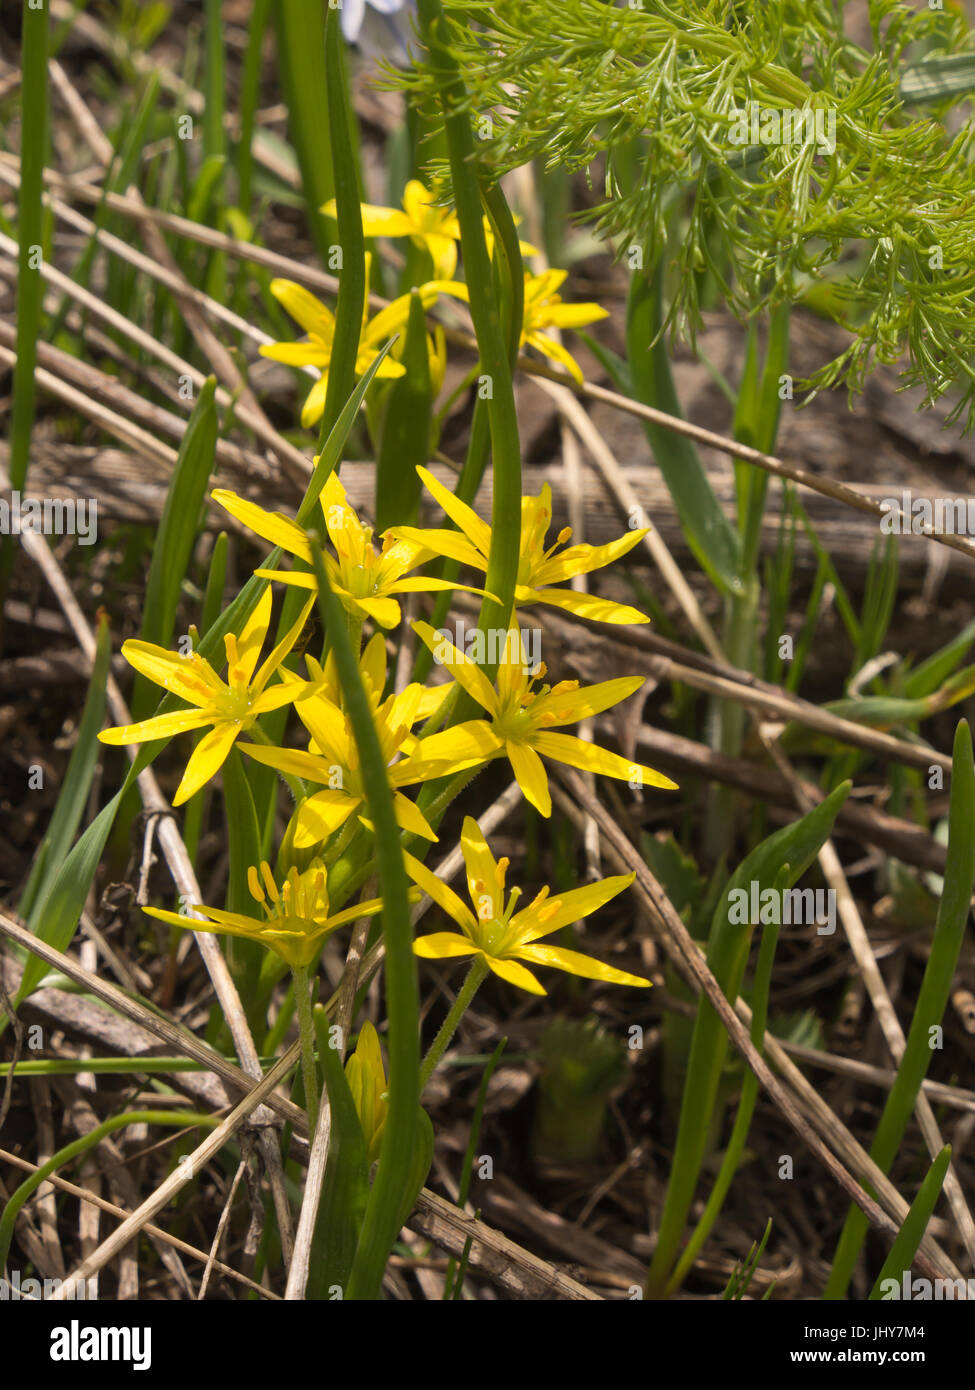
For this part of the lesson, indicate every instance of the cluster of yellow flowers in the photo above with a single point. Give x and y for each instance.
(522, 716)
(520, 723)
(436, 231)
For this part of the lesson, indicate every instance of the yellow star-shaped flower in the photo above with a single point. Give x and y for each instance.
(538, 568)
(332, 762)
(428, 225)
(363, 578)
(296, 917)
(522, 718)
(318, 321)
(231, 706)
(544, 308)
(504, 938)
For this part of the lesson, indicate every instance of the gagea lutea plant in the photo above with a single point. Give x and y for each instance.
(747, 156)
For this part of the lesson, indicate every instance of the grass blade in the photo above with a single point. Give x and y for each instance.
(949, 931)
(75, 790)
(796, 845)
(177, 533)
(30, 284)
(910, 1235)
(383, 1217)
(299, 25)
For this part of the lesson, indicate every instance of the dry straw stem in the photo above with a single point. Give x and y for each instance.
(294, 462)
(182, 872)
(691, 963)
(494, 1256)
(316, 279)
(210, 345)
(866, 961)
(668, 661)
(187, 1168)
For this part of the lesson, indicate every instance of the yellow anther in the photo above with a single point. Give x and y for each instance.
(270, 885)
(254, 884)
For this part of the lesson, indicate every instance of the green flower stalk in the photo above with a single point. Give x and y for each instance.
(502, 571)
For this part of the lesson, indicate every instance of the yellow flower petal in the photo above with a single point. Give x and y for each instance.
(251, 639)
(485, 879)
(273, 527)
(206, 760)
(463, 516)
(515, 974)
(373, 663)
(410, 818)
(314, 405)
(299, 579)
(310, 353)
(555, 352)
(441, 893)
(304, 308)
(443, 251)
(442, 945)
(569, 907)
(371, 908)
(161, 726)
(530, 775)
(589, 606)
(575, 315)
(464, 672)
(461, 746)
(277, 695)
(384, 611)
(565, 707)
(282, 649)
(583, 559)
(321, 815)
(291, 760)
(377, 221)
(189, 677)
(578, 964)
(452, 544)
(590, 758)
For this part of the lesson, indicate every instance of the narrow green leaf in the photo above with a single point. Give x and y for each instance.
(299, 25)
(911, 1233)
(66, 898)
(30, 283)
(244, 957)
(949, 932)
(345, 1189)
(406, 430)
(710, 535)
(75, 790)
(795, 845)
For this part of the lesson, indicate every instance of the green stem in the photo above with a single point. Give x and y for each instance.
(30, 284)
(473, 982)
(352, 282)
(383, 1217)
(306, 1029)
(502, 570)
